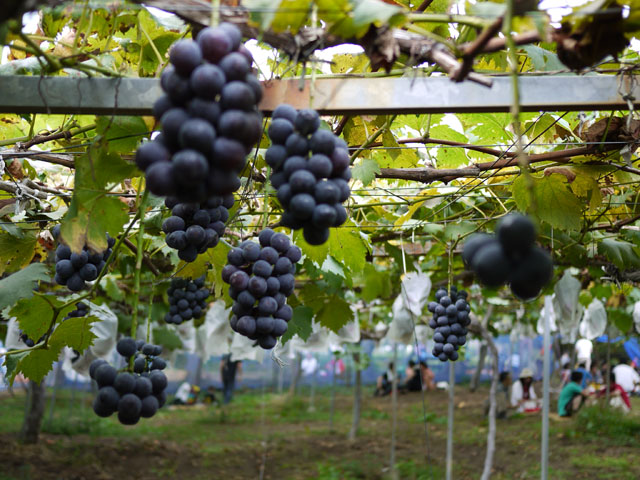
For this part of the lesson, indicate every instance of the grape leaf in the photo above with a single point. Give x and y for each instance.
(37, 363)
(375, 284)
(555, 202)
(290, 15)
(315, 253)
(34, 315)
(15, 253)
(619, 252)
(92, 214)
(335, 313)
(122, 133)
(331, 266)
(167, 338)
(20, 284)
(349, 247)
(365, 171)
(75, 333)
(299, 324)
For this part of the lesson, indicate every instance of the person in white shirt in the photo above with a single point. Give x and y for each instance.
(627, 377)
(584, 348)
(523, 395)
(309, 365)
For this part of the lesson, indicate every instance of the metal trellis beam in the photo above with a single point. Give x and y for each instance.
(135, 96)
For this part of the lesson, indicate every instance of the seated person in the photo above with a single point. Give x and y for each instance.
(627, 377)
(182, 394)
(411, 381)
(523, 395)
(427, 376)
(618, 397)
(572, 395)
(384, 383)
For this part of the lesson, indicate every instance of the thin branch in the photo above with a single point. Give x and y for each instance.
(13, 188)
(438, 141)
(496, 43)
(55, 158)
(66, 134)
(341, 125)
(145, 259)
(428, 175)
(475, 47)
(424, 5)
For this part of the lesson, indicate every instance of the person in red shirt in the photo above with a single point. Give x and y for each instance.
(619, 397)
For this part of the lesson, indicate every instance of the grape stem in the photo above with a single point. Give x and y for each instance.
(136, 278)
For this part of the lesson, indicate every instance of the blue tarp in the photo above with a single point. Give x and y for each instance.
(631, 346)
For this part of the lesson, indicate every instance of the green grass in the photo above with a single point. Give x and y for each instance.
(296, 443)
(606, 425)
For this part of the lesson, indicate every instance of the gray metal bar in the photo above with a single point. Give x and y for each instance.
(135, 96)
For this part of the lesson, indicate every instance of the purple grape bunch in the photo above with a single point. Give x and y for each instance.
(209, 116)
(187, 300)
(311, 172)
(134, 395)
(193, 228)
(450, 321)
(75, 269)
(511, 256)
(261, 277)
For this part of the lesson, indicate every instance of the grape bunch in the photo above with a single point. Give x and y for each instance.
(209, 118)
(187, 300)
(510, 257)
(193, 228)
(74, 269)
(132, 395)
(81, 310)
(261, 278)
(311, 172)
(450, 321)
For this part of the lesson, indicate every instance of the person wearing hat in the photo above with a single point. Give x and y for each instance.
(523, 395)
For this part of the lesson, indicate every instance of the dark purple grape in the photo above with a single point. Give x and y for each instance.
(185, 56)
(207, 81)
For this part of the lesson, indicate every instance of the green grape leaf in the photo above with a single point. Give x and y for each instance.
(349, 247)
(20, 284)
(34, 315)
(92, 214)
(167, 338)
(555, 202)
(543, 60)
(36, 364)
(619, 252)
(16, 253)
(315, 253)
(290, 15)
(11, 362)
(375, 284)
(365, 171)
(335, 313)
(75, 333)
(122, 133)
(299, 324)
